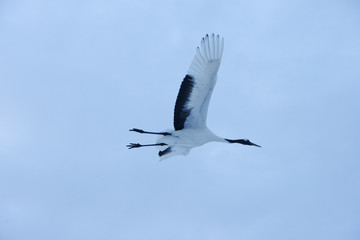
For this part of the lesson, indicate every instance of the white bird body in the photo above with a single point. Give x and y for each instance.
(192, 104)
(184, 140)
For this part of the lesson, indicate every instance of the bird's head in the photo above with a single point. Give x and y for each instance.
(242, 141)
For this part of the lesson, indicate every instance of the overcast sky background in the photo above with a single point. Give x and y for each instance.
(76, 75)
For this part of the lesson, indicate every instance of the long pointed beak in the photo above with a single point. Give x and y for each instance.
(253, 144)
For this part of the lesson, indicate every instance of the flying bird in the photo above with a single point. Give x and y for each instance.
(192, 104)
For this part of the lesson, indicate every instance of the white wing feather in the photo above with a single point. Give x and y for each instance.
(203, 69)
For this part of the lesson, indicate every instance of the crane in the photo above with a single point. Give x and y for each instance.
(191, 107)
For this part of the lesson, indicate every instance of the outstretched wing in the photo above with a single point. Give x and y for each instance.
(195, 92)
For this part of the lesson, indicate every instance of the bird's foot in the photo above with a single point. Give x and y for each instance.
(133, 145)
(137, 130)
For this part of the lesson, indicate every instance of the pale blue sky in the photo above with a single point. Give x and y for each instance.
(76, 75)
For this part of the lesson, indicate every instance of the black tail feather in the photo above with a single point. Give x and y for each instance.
(166, 151)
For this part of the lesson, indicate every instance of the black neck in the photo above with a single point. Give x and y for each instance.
(241, 141)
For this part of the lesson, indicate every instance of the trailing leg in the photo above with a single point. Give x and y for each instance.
(142, 131)
(137, 145)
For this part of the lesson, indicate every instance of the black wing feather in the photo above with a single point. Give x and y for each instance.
(181, 112)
